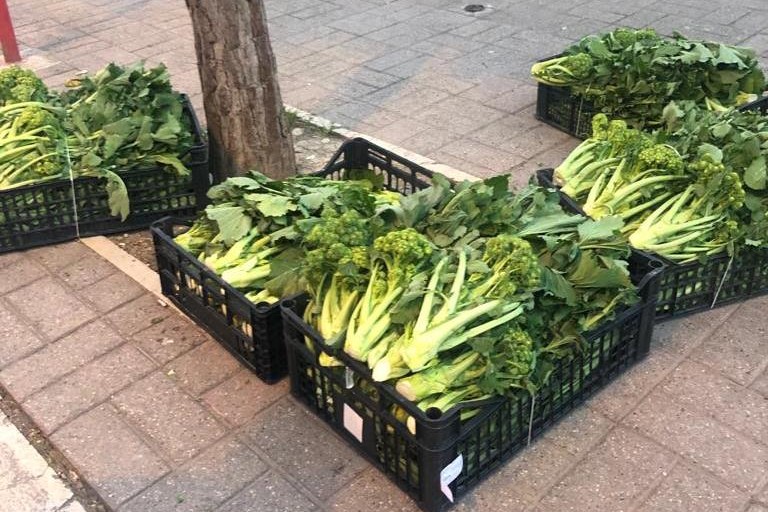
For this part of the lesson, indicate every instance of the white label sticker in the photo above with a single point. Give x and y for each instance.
(449, 474)
(353, 422)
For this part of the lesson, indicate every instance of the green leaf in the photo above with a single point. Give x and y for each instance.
(233, 223)
(555, 284)
(755, 174)
(174, 162)
(270, 205)
(727, 55)
(590, 274)
(119, 203)
(602, 229)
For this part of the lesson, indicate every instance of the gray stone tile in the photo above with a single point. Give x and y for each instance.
(239, 398)
(737, 349)
(204, 483)
(393, 58)
(733, 457)
(36, 371)
(139, 314)
(110, 292)
(756, 507)
(688, 488)
(761, 384)
(169, 338)
(269, 492)
(202, 367)
(580, 431)
(86, 271)
(372, 491)
(11, 257)
(321, 461)
(114, 460)
(482, 155)
(56, 257)
(169, 417)
(52, 309)
(16, 338)
(698, 387)
(19, 273)
(363, 23)
(90, 385)
(519, 482)
(615, 473)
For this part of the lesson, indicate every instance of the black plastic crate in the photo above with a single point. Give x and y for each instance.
(253, 332)
(571, 114)
(694, 287)
(44, 214)
(424, 460)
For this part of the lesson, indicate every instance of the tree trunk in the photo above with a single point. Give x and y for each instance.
(243, 106)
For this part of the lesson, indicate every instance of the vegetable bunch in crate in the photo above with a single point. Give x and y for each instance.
(462, 293)
(632, 74)
(116, 120)
(694, 191)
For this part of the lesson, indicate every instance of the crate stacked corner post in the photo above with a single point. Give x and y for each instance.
(253, 332)
(58, 211)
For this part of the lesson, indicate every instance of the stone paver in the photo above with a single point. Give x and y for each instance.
(204, 483)
(27, 483)
(239, 398)
(167, 338)
(688, 488)
(113, 459)
(18, 339)
(192, 429)
(169, 417)
(51, 308)
(322, 462)
(614, 475)
(59, 358)
(734, 457)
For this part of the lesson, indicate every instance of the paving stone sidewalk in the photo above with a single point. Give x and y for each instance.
(158, 417)
(424, 74)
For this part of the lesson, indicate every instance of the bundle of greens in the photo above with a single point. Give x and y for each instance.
(258, 232)
(632, 74)
(119, 119)
(469, 291)
(691, 189)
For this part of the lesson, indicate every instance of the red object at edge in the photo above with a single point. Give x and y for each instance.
(7, 36)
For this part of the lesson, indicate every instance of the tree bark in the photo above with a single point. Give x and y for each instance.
(243, 106)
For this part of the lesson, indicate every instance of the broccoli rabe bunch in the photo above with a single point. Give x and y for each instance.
(396, 258)
(713, 177)
(623, 38)
(18, 85)
(691, 224)
(336, 269)
(513, 267)
(36, 116)
(661, 156)
(564, 70)
(338, 243)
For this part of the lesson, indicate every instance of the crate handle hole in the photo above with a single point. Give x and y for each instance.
(434, 413)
